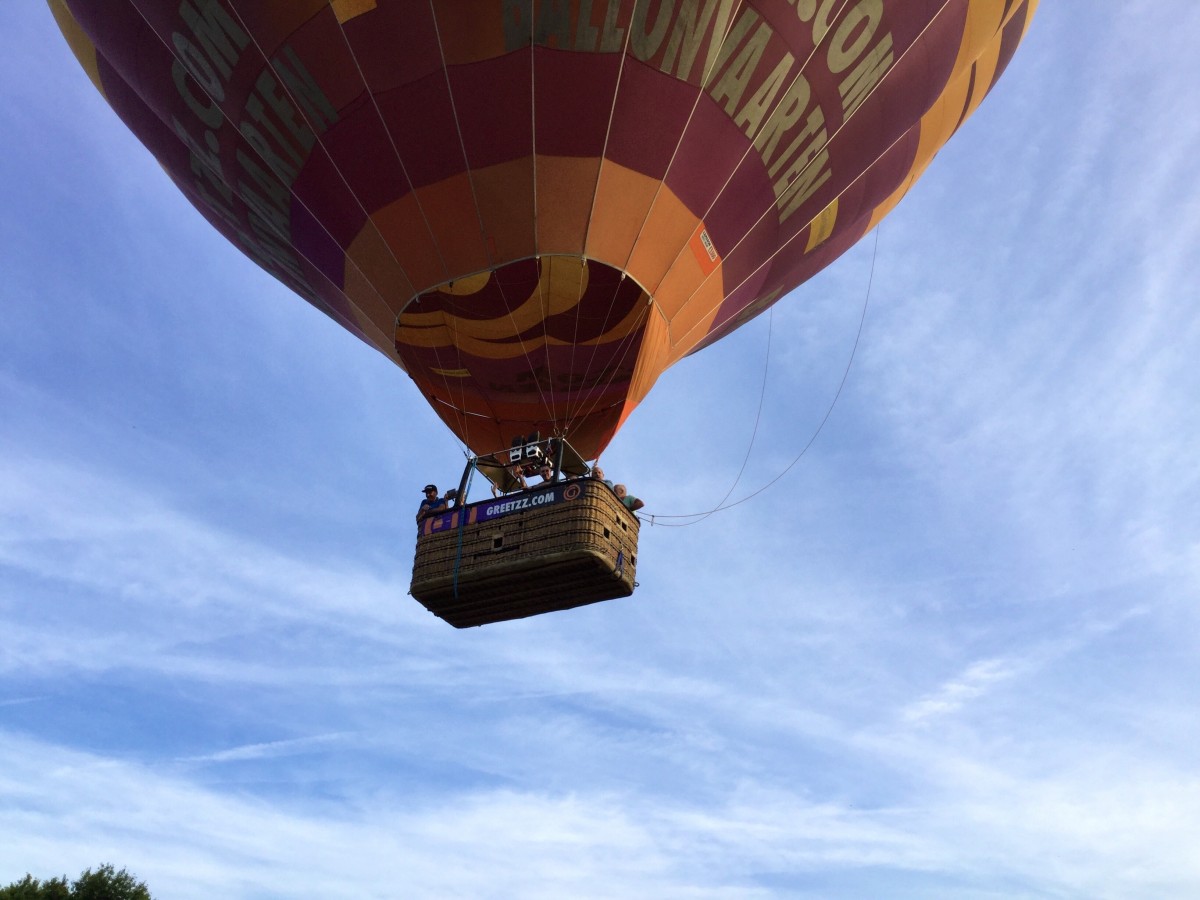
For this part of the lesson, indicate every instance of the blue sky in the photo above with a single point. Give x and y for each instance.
(953, 653)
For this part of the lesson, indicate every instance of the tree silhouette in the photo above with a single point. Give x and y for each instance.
(103, 884)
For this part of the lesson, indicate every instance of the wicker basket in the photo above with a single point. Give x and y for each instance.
(550, 548)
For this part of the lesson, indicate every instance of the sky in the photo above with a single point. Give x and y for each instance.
(954, 652)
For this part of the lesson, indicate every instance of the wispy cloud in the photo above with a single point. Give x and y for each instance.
(268, 750)
(988, 829)
(18, 701)
(953, 654)
(978, 678)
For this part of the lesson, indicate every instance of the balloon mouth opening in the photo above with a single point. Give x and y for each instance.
(525, 307)
(561, 273)
(550, 343)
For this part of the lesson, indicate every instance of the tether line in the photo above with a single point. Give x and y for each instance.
(722, 506)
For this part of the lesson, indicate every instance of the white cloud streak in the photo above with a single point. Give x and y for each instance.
(953, 654)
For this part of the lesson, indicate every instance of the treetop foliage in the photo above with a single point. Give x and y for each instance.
(103, 884)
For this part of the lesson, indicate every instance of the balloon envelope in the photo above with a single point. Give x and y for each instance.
(534, 207)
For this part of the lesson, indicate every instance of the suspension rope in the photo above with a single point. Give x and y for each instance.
(777, 104)
(487, 247)
(346, 322)
(612, 112)
(216, 174)
(589, 398)
(728, 254)
(704, 76)
(592, 397)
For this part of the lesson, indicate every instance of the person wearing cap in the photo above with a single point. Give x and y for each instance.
(431, 505)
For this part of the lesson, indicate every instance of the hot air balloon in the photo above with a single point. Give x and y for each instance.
(534, 207)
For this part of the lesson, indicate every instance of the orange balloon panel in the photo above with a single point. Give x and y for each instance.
(535, 206)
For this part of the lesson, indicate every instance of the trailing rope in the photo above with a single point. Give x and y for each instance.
(721, 506)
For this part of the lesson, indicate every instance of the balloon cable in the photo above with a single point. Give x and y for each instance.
(753, 434)
(721, 505)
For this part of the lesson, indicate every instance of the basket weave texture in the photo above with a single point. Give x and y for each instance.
(551, 557)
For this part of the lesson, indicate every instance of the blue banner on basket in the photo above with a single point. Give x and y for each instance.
(538, 498)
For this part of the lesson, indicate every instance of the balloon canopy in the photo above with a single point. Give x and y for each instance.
(534, 207)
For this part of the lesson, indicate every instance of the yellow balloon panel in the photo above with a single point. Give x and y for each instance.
(534, 206)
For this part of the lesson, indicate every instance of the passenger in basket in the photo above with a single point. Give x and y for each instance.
(598, 474)
(631, 502)
(518, 476)
(547, 472)
(431, 505)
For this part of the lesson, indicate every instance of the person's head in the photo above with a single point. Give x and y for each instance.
(598, 472)
(431, 492)
(546, 471)
(619, 490)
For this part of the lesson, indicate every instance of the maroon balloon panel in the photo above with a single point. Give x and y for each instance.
(536, 207)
